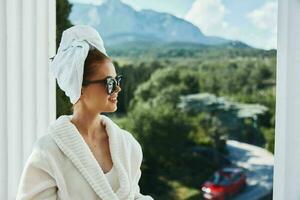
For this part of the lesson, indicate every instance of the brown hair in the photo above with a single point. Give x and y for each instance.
(94, 56)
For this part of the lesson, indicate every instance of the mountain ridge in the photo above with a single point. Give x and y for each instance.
(118, 22)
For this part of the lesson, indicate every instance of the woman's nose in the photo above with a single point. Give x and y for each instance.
(118, 88)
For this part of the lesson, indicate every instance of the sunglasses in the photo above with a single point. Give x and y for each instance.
(110, 83)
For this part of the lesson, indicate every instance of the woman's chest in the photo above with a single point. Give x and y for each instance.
(102, 154)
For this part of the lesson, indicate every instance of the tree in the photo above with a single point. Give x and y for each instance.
(63, 9)
(225, 118)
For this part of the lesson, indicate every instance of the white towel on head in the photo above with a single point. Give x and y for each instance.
(67, 65)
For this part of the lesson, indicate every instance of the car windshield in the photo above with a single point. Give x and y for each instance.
(221, 179)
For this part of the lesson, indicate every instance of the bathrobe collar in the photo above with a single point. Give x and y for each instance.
(72, 144)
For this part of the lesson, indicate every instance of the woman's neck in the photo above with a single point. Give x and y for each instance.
(89, 124)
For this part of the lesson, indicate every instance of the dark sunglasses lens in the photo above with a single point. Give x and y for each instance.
(111, 85)
(119, 80)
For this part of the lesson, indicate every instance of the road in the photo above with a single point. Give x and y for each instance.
(258, 164)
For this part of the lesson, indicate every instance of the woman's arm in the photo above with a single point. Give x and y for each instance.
(36, 182)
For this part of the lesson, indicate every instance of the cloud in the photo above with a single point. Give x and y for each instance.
(206, 14)
(264, 19)
(209, 16)
(258, 27)
(93, 17)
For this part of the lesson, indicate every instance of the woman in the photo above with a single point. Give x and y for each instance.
(84, 155)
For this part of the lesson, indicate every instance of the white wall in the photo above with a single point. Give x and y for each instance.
(287, 140)
(27, 90)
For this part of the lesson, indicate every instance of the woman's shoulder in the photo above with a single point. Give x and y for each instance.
(39, 156)
(130, 138)
(45, 145)
(133, 142)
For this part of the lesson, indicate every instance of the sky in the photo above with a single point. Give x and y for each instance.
(251, 21)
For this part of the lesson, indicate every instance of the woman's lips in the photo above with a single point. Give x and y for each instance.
(113, 99)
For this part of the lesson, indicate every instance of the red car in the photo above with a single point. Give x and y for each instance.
(224, 183)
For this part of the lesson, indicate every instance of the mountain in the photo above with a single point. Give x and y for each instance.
(119, 23)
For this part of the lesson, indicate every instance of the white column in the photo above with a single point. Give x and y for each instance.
(287, 140)
(27, 88)
(3, 110)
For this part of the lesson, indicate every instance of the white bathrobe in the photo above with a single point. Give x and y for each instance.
(62, 166)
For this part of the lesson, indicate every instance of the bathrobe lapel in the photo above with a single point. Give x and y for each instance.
(69, 140)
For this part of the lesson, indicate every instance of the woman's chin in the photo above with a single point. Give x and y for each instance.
(112, 108)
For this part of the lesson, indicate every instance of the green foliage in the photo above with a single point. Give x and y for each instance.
(63, 9)
(269, 135)
(155, 120)
(180, 51)
(156, 76)
(238, 76)
(165, 85)
(226, 119)
(162, 127)
(133, 76)
(164, 134)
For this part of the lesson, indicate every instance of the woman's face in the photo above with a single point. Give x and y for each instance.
(95, 95)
